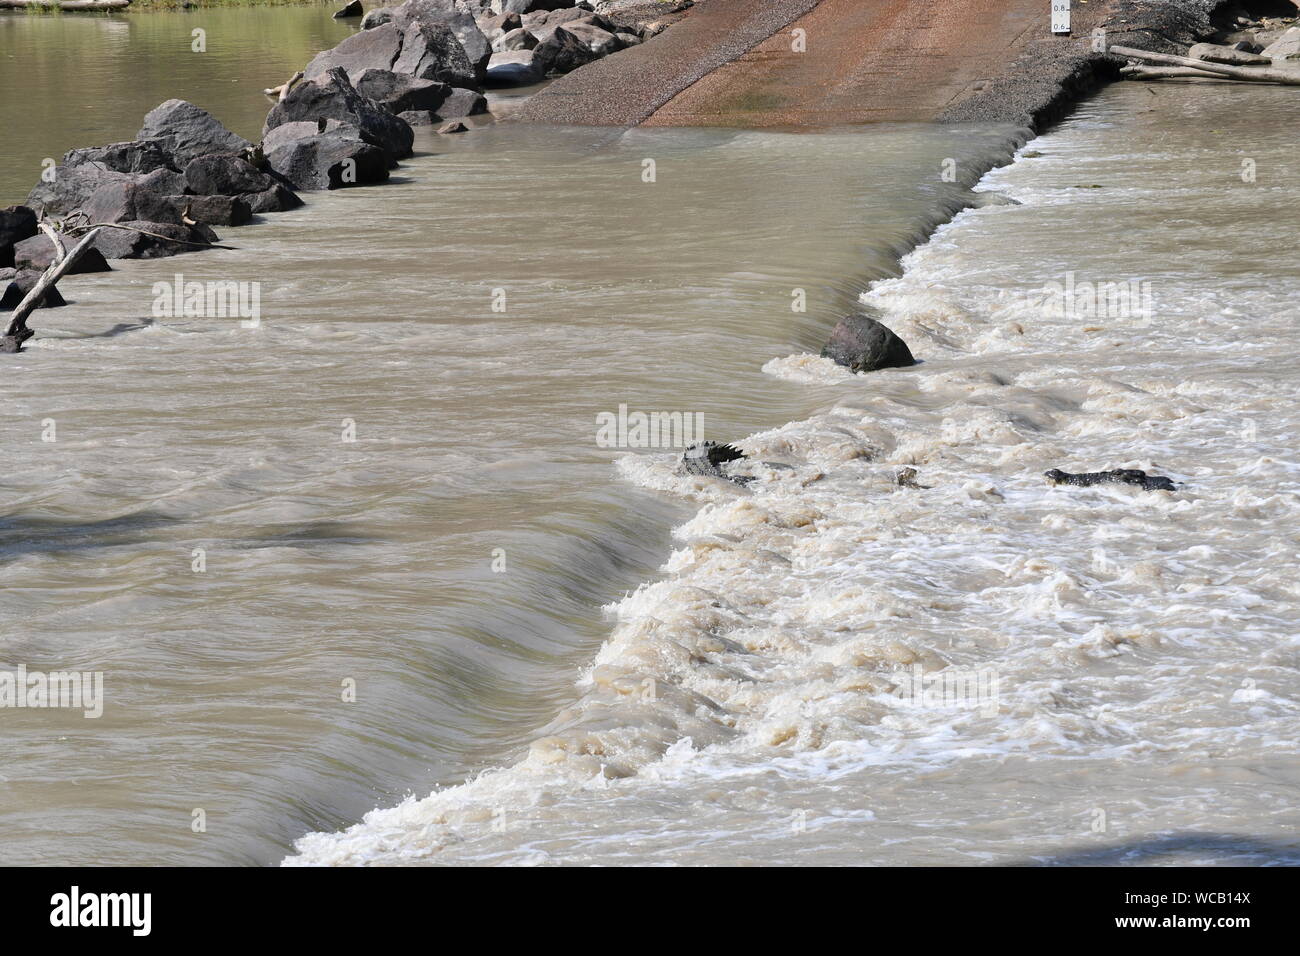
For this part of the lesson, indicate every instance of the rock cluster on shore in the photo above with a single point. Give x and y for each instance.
(423, 63)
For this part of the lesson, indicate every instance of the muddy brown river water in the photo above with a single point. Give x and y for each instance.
(359, 553)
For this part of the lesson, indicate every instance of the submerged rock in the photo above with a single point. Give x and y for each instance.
(709, 459)
(862, 344)
(1122, 476)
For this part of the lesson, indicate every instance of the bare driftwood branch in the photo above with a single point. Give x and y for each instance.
(56, 271)
(1146, 72)
(1273, 75)
(59, 250)
(288, 87)
(284, 89)
(78, 222)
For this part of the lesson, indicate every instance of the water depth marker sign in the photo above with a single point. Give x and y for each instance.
(1060, 16)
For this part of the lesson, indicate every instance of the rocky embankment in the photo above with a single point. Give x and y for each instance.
(347, 123)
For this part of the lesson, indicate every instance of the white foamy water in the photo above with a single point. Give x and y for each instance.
(1122, 666)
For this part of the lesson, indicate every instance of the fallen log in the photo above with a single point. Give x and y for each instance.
(1273, 75)
(70, 5)
(284, 89)
(17, 332)
(1167, 72)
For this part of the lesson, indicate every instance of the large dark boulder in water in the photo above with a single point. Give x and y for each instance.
(563, 52)
(162, 181)
(334, 159)
(368, 50)
(432, 52)
(17, 283)
(160, 197)
(224, 175)
(598, 40)
(186, 132)
(515, 68)
(70, 186)
(425, 49)
(333, 97)
(37, 253)
(863, 345)
(215, 210)
(543, 23)
(166, 239)
(151, 240)
(456, 15)
(16, 224)
(352, 9)
(276, 199)
(461, 103)
(129, 202)
(139, 156)
(400, 92)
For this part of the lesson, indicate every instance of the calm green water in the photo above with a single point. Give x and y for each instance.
(87, 79)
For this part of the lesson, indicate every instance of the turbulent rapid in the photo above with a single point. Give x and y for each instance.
(973, 665)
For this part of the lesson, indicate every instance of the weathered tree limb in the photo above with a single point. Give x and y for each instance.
(284, 89)
(59, 250)
(56, 271)
(288, 87)
(79, 221)
(1146, 72)
(1273, 75)
(64, 4)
